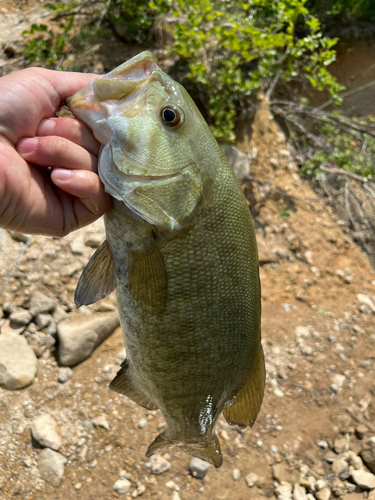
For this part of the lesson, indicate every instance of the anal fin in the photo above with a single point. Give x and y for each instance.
(98, 279)
(123, 384)
(245, 408)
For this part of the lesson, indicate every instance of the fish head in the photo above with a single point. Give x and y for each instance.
(151, 134)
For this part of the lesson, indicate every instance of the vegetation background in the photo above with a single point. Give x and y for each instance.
(228, 54)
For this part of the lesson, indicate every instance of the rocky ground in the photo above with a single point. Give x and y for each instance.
(66, 435)
(63, 434)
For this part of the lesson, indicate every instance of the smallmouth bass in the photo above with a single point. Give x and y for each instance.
(181, 253)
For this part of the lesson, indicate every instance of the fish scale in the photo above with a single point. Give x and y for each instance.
(181, 240)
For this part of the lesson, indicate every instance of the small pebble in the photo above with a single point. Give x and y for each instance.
(122, 486)
(251, 479)
(64, 374)
(236, 473)
(143, 423)
(278, 393)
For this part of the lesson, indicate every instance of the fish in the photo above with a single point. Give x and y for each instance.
(181, 252)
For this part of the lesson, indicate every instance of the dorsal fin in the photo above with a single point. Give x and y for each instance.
(98, 279)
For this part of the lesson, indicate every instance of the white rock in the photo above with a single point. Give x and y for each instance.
(251, 479)
(320, 484)
(123, 474)
(278, 393)
(363, 479)
(121, 356)
(43, 320)
(366, 301)
(339, 465)
(94, 240)
(101, 421)
(236, 473)
(284, 489)
(143, 423)
(172, 486)
(20, 317)
(80, 334)
(18, 363)
(46, 431)
(198, 467)
(64, 374)
(338, 380)
(59, 314)
(51, 466)
(122, 486)
(323, 494)
(299, 492)
(40, 303)
(77, 245)
(175, 496)
(158, 464)
(308, 257)
(302, 332)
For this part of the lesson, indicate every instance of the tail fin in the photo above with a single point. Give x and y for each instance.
(210, 452)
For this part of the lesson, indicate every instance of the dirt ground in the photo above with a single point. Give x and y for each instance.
(311, 274)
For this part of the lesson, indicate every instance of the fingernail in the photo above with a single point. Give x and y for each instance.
(62, 174)
(46, 127)
(26, 146)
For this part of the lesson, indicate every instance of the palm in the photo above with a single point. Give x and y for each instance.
(29, 200)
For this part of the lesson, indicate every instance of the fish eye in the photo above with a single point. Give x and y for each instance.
(171, 116)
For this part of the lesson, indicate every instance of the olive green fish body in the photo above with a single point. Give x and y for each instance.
(181, 245)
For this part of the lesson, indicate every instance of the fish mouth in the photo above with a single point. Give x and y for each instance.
(116, 85)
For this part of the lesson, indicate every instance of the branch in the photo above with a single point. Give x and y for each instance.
(339, 171)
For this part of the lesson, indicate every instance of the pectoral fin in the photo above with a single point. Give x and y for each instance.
(147, 278)
(123, 384)
(245, 408)
(98, 279)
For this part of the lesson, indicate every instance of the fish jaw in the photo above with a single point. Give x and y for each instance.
(94, 104)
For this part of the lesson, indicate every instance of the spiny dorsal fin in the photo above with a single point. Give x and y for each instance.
(98, 279)
(122, 384)
(147, 278)
(245, 408)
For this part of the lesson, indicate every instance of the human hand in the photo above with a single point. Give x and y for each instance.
(36, 199)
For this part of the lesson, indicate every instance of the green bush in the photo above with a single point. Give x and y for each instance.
(232, 50)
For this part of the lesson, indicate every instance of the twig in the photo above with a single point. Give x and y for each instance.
(308, 110)
(345, 94)
(339, 171)
(22, 253)
(272, 86)
(360, 420)
(317, 140)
